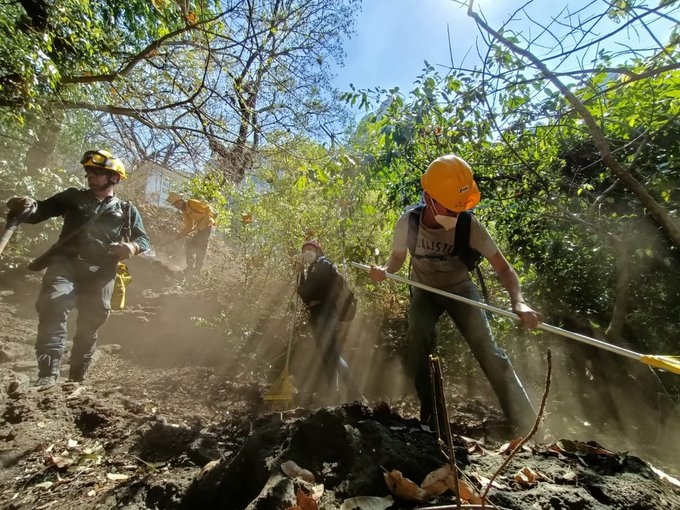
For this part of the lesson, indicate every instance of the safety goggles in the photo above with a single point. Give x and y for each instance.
(96, 158)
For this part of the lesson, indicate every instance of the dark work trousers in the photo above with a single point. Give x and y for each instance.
(324, 323)
(197, 246)
(70, 283)
(426, 308)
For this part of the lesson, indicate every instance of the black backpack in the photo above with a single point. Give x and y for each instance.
(461, 243)
(346, 302)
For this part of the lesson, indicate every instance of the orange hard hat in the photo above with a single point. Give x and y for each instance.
(449, 181)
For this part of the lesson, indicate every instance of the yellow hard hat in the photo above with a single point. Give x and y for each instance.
(173, 198)
(104, 159)
(449, 181)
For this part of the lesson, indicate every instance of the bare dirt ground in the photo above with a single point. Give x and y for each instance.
(167, 420)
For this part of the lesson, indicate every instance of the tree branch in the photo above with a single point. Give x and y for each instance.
(656, 211)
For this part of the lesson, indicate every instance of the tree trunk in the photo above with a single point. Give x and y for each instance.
(621, 302)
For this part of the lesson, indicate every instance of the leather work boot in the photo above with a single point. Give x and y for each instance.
(44, 382)
(48, 371)
(77, 372)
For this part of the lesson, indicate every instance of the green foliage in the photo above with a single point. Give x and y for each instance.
(38, 186)
(181, 81)
(68, 38)
(554, 207)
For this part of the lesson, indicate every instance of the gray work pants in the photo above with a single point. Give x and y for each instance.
(72, 283)
(425, 309)
(196, 249)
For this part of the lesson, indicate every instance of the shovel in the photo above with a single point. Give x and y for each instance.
(668, 363)
(11, 225)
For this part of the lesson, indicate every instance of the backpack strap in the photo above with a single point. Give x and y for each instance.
(413, 227)
(461, 246)
(126, 232)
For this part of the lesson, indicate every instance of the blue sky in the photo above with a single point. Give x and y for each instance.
(394, 37)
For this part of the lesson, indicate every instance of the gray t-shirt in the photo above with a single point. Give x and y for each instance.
(434, 266)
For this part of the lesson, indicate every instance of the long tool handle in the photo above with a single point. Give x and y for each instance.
(512, 315)
(10, 226)
(296, 300)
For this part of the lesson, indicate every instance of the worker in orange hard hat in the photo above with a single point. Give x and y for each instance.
(199, 224)
(445, 241)
(99, 230)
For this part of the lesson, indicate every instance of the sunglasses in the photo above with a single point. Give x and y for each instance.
(96, 158)
(96, 171)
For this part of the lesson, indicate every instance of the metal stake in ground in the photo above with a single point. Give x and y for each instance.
(440, 407)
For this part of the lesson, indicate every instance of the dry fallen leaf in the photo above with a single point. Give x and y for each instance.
(526, 477)
(403, 487)
(305, 502)
(569, 476)
(290, 468)
(483, 481)
(509, 447)
(438, 481)
(60, 461)
(206, 469)
(580, 448)
(117, 476)
(468, 493)
(367, 503)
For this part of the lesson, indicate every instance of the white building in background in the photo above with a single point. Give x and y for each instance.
(152, 182)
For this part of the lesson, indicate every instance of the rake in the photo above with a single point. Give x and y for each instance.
(280, 394)
(668, 363)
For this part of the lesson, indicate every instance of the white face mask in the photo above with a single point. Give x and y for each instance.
(309, 256)
(448, 222)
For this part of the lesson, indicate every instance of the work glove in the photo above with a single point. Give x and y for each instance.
(123, 250)
(21, 205)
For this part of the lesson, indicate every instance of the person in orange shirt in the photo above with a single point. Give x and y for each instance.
(199, 224)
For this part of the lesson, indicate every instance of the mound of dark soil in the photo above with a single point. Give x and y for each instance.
(168, 420)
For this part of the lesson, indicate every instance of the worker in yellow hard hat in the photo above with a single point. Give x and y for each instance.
(445, 242)
(99, 230)
(199, 224)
